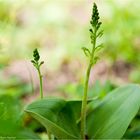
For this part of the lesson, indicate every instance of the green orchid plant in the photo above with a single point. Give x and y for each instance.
(85, 119)
(37, 65)
(95, 32)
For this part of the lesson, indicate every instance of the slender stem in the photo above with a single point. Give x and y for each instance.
(84, 101)
(41, 85)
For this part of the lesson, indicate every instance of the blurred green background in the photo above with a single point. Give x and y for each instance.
(59, 29)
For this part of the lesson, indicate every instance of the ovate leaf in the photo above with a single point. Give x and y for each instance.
(58, 116)
(112, 117)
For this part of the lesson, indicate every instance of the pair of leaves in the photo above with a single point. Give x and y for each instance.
(110, 119)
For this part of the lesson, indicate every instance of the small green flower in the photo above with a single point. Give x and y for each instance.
(95, 25)
(36, 55)
(95, 17)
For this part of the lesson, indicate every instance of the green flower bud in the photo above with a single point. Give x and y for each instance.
(95, 16)
(36, 55)
(91, 30)
(95, 23)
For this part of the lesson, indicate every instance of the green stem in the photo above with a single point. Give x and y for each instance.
(84, 101)
(41, 85)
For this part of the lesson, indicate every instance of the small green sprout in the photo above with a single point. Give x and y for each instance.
(95, 33)
(37, 65)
